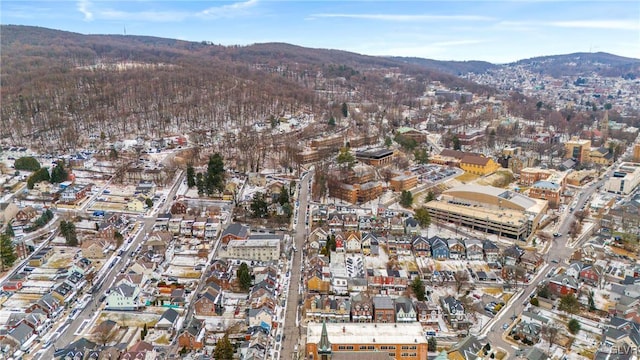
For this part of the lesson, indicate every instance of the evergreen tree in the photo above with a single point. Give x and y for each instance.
(59, 174)
(332, 121)
(418, 288)
(345, 110)
(200, 183)
(284, 196)
(224, 349)
(214, 180)
(574, 326)
(432, 344)
(68, 231)
(259, 206)
(26, 163)
(9, 231)
(191, 176)
(406, 198)
(7, 252)
(244, 277)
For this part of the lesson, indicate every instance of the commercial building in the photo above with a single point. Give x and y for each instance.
(470, 162)
(401, 341)
(375, 157)
(356, 193)
(489, 209)
(624, 179)
(403, 182)
(578, 149)
(257, 247)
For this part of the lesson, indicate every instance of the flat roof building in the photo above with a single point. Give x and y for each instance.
(398, 340)
(624, 179)
(490, 209)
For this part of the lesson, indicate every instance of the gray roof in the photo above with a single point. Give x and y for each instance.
(382, 302)
(236, 229)
(125, 290)
(171, 315)
(21, 333)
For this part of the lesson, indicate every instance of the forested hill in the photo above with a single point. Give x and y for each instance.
(60, 86)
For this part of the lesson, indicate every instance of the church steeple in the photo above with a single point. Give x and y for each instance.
(604, 127)
(324, 346)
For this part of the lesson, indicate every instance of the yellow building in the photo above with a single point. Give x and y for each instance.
(601, 156)
(578, 149)
(478, 165)
(400, 341)
(636, 153)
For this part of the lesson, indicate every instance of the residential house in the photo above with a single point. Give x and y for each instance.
(491, 251)
(353, 242)
(21, 336)
(141, 350)
(94, 248)
(186, 225)
(574, 269)
(563, 284)
(26, 214)
(454, 312)
(168, 320)
(529, 331)
(405, 311)
(234, 231)
(531, 261)
(136, 204)
(411, 226)
(427, 312)
(383, 309)
(469, 348)
(512, 254)
(48, 304)
(370, 244)
(591, 274)
(327, 308)
(211, 302)
(396, 225)
(158, 241)
(262, 317)
(473, 248)
(439, 248)
(335, 220)
(361, 308)
(124, 297)
(421, 246)
(192, 336)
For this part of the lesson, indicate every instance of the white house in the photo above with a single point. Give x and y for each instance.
(124, 297)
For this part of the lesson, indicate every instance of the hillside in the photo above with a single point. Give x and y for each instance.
(581, 64)
(450, 67)
(59, 87)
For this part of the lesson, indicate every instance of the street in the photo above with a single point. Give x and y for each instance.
(291, 331)
(559, 250)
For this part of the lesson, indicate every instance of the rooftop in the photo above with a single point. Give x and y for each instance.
(368, 333)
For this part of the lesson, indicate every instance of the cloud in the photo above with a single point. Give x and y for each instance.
(599, 24)
(228, 11)
(151, 16)
(632, 25)
(404, 17)
(83, 7)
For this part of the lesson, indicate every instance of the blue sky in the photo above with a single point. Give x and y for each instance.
(496, 31)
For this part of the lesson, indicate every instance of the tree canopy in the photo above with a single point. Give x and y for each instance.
(68, 231)
(259, 207)
(406, 198)
(423, 217)
(59, 174)
(28, 163)
(7, 252)
(244, 277)
(224, 349)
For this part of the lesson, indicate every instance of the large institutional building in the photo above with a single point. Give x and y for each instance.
(333, 341)
(489, 209)
(624, 179)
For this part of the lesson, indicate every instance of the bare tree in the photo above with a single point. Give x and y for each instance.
(550, 333)
(461, 278)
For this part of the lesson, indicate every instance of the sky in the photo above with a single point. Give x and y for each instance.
(495, 31)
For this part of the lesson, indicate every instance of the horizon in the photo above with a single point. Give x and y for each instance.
(497, 31)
